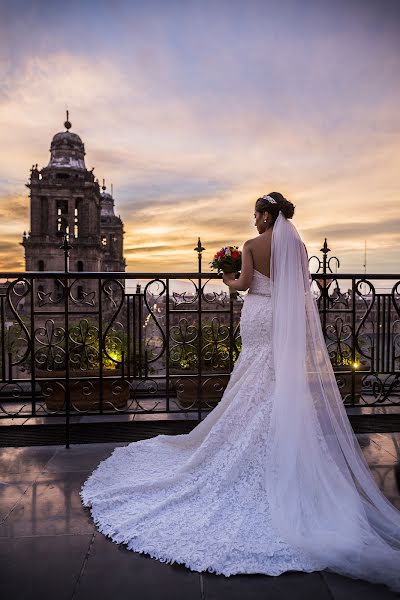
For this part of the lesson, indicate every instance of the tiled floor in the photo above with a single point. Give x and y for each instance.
(50, 548)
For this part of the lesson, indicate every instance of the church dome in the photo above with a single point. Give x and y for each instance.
(67, 150)
(67, 137)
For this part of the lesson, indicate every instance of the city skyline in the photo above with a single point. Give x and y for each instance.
(194, 111)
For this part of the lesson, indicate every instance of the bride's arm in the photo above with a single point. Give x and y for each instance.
(246, 272)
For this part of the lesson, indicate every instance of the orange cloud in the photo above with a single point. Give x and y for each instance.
(187, 167)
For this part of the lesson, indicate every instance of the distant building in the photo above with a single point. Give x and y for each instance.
(66, 198)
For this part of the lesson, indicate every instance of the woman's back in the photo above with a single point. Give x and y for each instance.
(261, 252)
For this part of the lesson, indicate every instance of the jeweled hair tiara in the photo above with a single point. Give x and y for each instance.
(270, 199)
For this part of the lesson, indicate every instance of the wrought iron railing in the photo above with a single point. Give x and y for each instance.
(74, 343)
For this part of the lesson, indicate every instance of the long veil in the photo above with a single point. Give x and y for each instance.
(323, 495)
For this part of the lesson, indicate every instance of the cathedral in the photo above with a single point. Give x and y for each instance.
(65, 198)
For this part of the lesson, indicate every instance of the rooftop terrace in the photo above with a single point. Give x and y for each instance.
(50, 548)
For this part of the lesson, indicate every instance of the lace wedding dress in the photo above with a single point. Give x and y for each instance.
(213, 514)
(258, 486)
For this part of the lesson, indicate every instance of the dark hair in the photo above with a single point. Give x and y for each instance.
(282, 204)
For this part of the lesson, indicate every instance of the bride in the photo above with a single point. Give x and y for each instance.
(273, 478)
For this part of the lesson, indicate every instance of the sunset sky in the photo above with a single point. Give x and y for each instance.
(193, 109)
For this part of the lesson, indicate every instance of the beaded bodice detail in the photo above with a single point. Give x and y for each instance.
(260, 284)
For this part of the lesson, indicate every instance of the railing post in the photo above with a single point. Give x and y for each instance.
(353, 339)
(66, 247)
(3, 339)
(231, 331)
(199, 249)
(140, 332)
(32, 357)
(324, 251)
(167, 360)
(101, 346)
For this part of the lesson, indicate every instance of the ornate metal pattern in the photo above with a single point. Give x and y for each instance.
(84, 343)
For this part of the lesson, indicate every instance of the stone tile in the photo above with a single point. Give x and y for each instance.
(364, 439)
(165, 417)
(390, 442)
(51, 506)
(387, 478)
(344, 588)
(12, 488)
(45, 420)
(287, 586)
(42, 567)
(396, 503)
(81, 457)
(377, 448)
(14, 421)
(160, 417)
(384, 463)
(111, 418)
(390, 410)
(127, 574)
(29, 459)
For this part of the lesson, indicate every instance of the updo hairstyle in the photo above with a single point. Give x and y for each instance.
(282, 204)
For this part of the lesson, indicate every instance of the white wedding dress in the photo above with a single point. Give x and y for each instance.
(224, 498)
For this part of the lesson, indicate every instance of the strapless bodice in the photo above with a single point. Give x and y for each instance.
(260, 284)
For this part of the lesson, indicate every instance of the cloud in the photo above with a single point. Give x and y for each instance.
(13, 211)
(388, 228)
(192, 113)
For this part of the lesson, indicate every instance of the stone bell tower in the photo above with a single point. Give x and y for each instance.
(112, 234)
(64, 198)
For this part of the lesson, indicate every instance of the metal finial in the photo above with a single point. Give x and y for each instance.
(325, 248)
(67, 123)
(103, 187)
(199, 248)
(112, 189)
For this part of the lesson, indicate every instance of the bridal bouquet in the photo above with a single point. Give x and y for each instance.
(228, 260)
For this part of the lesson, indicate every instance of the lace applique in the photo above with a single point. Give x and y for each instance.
(201, 499)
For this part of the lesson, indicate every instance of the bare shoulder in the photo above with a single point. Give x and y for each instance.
(249, 246)
(250, 243)
(258, 241)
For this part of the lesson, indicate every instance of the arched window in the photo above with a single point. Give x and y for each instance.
(79, 265)
(80, 292)
(40, 265)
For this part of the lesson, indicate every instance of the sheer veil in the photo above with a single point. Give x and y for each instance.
(324, 498)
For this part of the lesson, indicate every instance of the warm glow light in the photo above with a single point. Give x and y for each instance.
(149, 232)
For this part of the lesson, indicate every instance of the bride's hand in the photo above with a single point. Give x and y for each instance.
(227, 277)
